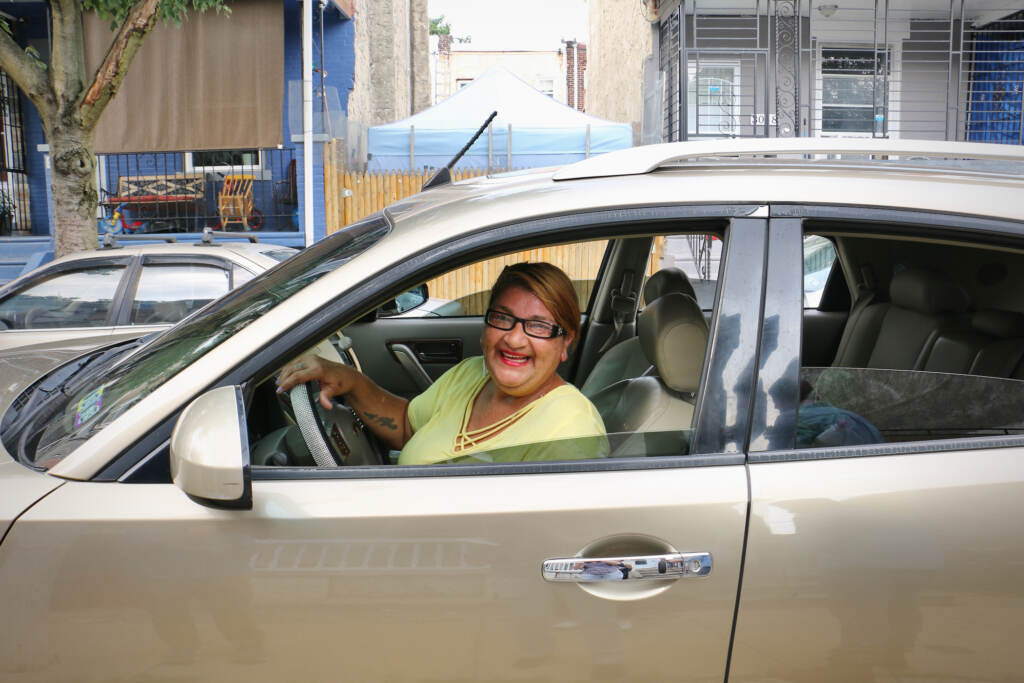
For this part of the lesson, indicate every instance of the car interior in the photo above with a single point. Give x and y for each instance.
(642, 370)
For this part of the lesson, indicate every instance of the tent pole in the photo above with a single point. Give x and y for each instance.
(588, 141)
(412, 148)
(508, 149)
(307, 122)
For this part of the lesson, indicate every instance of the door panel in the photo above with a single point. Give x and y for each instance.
(883, 568)
(393, 579)
(439, 344)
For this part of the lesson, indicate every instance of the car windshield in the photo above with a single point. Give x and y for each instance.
(105, 391)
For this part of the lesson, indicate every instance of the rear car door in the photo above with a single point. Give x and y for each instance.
(889, 554)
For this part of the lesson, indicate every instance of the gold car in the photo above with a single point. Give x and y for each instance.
(809, 359)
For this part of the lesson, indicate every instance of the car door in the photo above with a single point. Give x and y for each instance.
(76, 300)
(888, 558)
(421, 573)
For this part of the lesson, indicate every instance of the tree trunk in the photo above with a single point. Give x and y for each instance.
(73, 181)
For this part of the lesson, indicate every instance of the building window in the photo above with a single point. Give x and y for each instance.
(224, 160)
(546, 86)
(854, 84)
(712, 98)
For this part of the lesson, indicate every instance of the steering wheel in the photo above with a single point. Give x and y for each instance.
(334, 437)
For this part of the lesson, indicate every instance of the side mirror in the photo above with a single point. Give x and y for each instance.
(406, 301)
(210, 450)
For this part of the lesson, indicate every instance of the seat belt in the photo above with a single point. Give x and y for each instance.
(866, 293)
(623, 303)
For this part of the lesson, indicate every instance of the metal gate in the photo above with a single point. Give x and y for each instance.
(15, 217)
(943, 69)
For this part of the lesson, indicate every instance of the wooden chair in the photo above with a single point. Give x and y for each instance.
(235, 202)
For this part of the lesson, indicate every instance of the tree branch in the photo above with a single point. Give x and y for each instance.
(111, 72)
(27, 73)
(67, 52)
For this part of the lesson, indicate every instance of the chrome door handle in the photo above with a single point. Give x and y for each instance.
(637, 568)
(407, 359)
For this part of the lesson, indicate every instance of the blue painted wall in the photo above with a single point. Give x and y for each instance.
(339, 65)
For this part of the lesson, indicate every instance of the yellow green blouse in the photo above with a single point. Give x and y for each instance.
(561, 425)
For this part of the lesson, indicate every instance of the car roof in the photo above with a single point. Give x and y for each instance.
(961, 178)
(248, 251)
(920, 153)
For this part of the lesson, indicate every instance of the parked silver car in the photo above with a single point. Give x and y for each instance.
(790, 493)
(124, 290)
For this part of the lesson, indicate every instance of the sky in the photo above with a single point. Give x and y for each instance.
(521, 25)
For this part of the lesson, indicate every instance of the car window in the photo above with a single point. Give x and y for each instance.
(853, 406)
(103, 394)
(819, 255)
(465, 291)
(640, 407)
(166, 293)
(78, 298)
(933, 348)
(698, 255)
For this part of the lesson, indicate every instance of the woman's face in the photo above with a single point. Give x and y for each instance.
(518, 364)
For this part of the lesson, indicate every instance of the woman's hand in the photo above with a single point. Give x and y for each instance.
(335, 379)
(385, 414)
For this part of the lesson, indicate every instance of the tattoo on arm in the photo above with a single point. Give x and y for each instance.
(383, 421)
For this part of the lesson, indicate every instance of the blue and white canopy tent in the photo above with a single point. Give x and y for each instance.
(531, 130)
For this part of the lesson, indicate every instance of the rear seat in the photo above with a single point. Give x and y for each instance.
(1002, 356)
(994, 347)
(900, 333)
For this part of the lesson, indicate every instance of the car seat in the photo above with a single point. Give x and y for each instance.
(626, 359)
(673, 336)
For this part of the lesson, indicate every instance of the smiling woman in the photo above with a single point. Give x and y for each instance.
(508, 405)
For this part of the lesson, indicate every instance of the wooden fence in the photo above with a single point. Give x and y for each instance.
(350, 196)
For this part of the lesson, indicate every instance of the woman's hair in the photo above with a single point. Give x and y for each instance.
(549, 284)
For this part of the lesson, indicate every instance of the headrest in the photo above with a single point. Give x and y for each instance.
(1003, 324)
(674, 335)
(667, 280)
(927, 291)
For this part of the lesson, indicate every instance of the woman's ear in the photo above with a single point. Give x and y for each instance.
(565, 347)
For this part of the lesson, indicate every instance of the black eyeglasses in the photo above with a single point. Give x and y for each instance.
(533, 328)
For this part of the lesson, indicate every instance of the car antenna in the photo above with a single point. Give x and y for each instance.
(443, 175)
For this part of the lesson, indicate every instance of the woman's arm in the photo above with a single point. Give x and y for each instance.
(385, 414)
